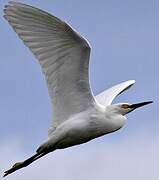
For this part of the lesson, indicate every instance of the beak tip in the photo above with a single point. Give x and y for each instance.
(149, 102)
(141, 104)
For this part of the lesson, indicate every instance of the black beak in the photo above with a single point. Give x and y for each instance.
(134, 106)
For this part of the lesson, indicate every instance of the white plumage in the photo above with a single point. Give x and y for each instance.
(63, 54)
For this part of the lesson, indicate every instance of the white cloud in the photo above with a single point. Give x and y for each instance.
(134, 158)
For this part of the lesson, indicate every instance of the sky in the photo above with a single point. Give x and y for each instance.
(124, 36)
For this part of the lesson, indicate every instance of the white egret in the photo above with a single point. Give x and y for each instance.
(64, 58)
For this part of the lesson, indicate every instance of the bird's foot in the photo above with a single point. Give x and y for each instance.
(18, 164)
(15, 167)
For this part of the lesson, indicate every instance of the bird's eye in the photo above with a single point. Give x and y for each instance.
(125, 106)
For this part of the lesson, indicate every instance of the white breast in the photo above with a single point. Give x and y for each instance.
(85, 126)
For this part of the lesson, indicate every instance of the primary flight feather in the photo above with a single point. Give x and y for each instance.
(64, 58)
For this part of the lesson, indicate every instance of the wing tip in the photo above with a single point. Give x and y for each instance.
(130, 82)
(127, 85)
(15, 3)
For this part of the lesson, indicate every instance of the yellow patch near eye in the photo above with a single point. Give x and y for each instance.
(125, 106)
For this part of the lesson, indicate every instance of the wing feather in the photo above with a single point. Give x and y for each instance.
(105, 98)
(62, 53)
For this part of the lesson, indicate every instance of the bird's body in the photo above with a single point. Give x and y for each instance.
(63, 54)
(83, 127)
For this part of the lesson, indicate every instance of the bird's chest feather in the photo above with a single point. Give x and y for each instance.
(84, 128)
(103, 124)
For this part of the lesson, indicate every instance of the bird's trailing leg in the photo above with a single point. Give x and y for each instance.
(25, 163)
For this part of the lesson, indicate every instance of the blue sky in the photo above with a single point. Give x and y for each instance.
(124, 36)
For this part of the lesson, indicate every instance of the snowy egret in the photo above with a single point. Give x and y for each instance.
(64, 58)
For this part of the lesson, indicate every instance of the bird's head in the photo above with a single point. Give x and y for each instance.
(125, 108)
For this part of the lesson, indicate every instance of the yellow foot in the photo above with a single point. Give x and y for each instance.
(15, 167)
(18, 164)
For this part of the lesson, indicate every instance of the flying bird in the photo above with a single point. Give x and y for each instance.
(64, 58)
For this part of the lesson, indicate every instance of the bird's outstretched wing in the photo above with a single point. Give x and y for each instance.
(105, 98)
(62, 53)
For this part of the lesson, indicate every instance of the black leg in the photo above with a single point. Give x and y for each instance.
(25, 163)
